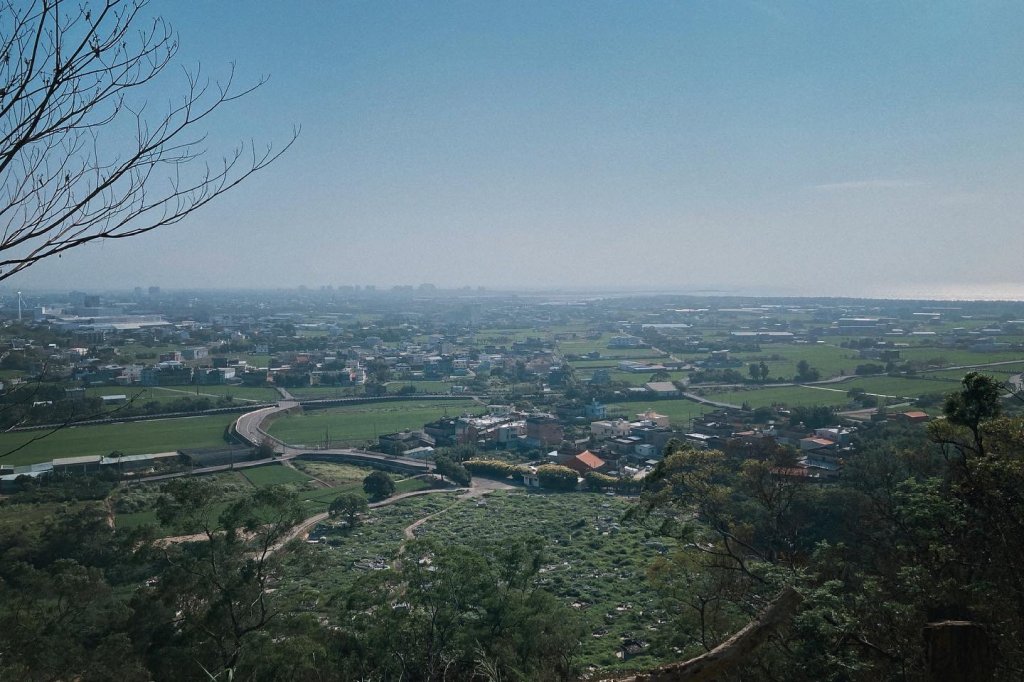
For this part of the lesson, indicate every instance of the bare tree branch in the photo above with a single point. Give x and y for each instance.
(79, 161)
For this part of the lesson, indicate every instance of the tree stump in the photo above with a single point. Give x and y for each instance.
(958, 651)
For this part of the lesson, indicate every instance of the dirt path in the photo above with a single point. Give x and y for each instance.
(480, 487)
(301, 530)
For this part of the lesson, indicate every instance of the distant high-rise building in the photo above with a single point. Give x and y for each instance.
(154, 291)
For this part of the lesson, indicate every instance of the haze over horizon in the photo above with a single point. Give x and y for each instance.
(791, 149)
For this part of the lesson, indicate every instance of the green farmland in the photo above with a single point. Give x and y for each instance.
(356, 424)
(140, 395)
(790, 396)
(131, 438)
(679, 412)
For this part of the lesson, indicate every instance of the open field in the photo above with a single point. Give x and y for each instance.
(791, 396)
(1000, 372)
(425, 386)
(273, 474)
(356, 424)
(782, 359)
(953, 356)
(679, 412)
(140, 395)
(314, 392)
(899, 386)
(131, 438)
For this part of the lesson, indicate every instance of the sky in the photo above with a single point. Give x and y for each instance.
(869, 148)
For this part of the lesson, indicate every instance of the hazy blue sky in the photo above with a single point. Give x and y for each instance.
(791, 147)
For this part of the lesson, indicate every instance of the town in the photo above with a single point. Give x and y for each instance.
(597, 384)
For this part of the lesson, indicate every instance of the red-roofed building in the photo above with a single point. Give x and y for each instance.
(584, 462)
(815, 443)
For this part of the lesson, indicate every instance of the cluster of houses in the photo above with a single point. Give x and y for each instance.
(630, 447)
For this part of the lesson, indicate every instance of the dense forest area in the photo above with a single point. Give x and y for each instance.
(924, 525)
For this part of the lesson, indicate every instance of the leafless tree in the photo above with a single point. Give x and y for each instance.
(84, 153)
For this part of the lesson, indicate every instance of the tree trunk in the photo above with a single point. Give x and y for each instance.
(731, 653)
(958, 651)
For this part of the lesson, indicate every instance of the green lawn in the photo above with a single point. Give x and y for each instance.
(132, 438)
(273, 474)
(355, 424)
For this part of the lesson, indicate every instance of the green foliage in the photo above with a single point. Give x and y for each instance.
(598, 481)
(556, 477)
(804, 372)
(465, 610)
(452, 470)
(976, 402)
(812, 417)
(493, 467)
(349, 505)
(378, 486)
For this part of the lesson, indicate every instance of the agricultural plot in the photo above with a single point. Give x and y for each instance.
(791, 396)
(315, 392)
(900, 387)
(131, 438)
(332, 473)
(639, 379)
(1000, 372)
(140, 395)
(679, 412)
(956, 357)
(420, 386)
(782, 359)
(357, 424)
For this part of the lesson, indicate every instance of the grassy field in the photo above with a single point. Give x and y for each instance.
(1000, 372)
(420, 386)
(901, 387)
(355, 424)
(791, 396)
(333, 474)
(679, 412)
(132, 438)
(953, 356)
(140, 395)
(829, 360)
(273, 474)
(314, 392)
